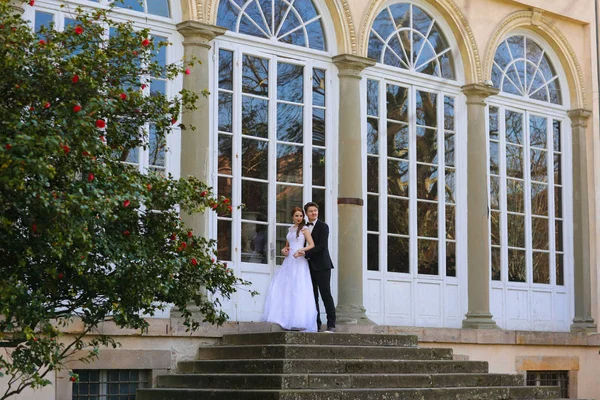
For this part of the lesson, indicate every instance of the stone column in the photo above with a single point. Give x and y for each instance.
(17, 6)
(350, 307)
(478, 217)
(583, 321)
(195, 144)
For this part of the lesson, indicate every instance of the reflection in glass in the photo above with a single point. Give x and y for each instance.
(372, 98)
(318, 133)
(318, 87)
(557, 169)
(255, 117)
(451, 222)
(287, 198)
(373, 252)
(450, 258)
(397, 140)
(224, 240)
(427, 215)
(427, 177)
(397, 178)
(496, 275)
(538, 135)
(449, 149)
(514, 127)
(449, 113)
(225, 69)
(516, 266)
(494, 158)
(224, 186)
(398, 216)
(495, 227)
(255, 198)
(255, 160)
(556, 135)
(516, 230)
(372, 174)
(539, 199)
(318, 167)
(427, 145)
(290, 82)
(290, 123)
(156, 149)
(318, 196)
(289, 163)
(539, 233)
(255, 75)
(255, 242)
(372, 213)
(558, 202)
(515, 200)
(539, 165)
(450, 188)
(373, 136)
(514, 161)
(397, 103)
(225, 111)
(426, 110)
(560, 270)
(428, 257)
(541, 267)
(558, 240)
(494, 192)
(398, 254)
(493, 121)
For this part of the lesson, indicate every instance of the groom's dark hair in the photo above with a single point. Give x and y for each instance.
(310, 204)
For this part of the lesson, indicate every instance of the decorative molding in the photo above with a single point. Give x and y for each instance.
(351, 200)
(199, 34)
(536, 16)
(351, 66)
(526, 19)
(458, 19)
(579, 117)
(476, 93)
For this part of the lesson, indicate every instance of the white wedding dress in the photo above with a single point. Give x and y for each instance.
(290, 301)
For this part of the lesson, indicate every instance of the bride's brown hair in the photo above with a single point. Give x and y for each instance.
(302, 223)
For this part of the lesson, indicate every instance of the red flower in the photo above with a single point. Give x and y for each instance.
(194, 262)
(230, 208)
(90, 177)
(183, 245)
(31, 108)
(102, 138)
(187, 71)
(214, 206)
(42, 42)
(145, 42)
(8, 146)
(149, 186)
(173, 237)
(72, 379)
(126, 203)
(100, 123)
(47, 105)
(35, 339)
(60, 276)
(143, 86)
(203, 194)
(65, 148)
(225, 201)
(190, 234)
(212, 260)
(135, 53)
(173, 121)
(34, 227)
(31, 2)
(123, 96)
(78, 30)
(126, 233)
(75, 78)
(76, 108)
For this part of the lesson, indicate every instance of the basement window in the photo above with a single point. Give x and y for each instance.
(109, 384)
(550, 378)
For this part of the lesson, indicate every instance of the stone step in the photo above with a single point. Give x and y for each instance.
(328, 339)
(466, 393)
(335, 381)
(322, 352)
(349, 366)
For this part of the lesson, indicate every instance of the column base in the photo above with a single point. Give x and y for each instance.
(350, 314)
(586, 325)
(479, 321)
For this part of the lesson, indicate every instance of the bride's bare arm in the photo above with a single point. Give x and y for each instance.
(286, 249)
(309, 241)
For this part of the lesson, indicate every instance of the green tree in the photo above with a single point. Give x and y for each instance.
(83, 234)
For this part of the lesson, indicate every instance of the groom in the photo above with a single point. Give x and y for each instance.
(320, 264)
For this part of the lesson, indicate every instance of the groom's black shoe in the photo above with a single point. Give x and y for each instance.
(330, 329)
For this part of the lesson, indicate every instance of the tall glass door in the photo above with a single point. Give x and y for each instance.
(271, 156)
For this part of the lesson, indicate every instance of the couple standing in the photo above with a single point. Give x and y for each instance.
(293, 297)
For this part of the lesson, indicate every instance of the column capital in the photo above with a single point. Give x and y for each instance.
(17, 6)
(477, 93)
(351, 66)
(579, 117)
(199, 34)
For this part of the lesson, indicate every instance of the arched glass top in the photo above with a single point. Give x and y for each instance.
(523, 68)
(154, 7)
(295, 22)
(405, 36)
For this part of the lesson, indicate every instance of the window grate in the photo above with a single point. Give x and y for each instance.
(550, 378)
(112, 384)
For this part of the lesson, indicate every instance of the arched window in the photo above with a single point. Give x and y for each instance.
(273, 133)
(529, 155)
(156, 156)
(413, 134)
(405, 36)
(287, 21)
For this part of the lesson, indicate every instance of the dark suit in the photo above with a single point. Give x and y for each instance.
(321, 265)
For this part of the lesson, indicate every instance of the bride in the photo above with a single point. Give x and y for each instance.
(290, 301)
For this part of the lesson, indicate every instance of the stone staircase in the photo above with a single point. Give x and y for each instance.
(325, 366)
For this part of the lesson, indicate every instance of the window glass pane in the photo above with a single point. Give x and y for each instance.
(516, 266)
(426, 111)
(255, 160)
(450, 188)
(255, 243)
(514, 161)
(560, 276)
(373, 136)
(493, 121)
(428, 257)
(135, 5)
(226, 69)
(427, 215)
(539, 165)
(290, 82)
(539, 233)
(372, 98)
(255, 75)
(318, 126)
(494, 192)
(514, 127)
(156, 149)
(558, 202)
(290, 121)
(449, 113)
(494, 158)
(255, 117)
(496, 275)
(398, 178)
(541, 267)
(398, 254)
(397, 137)
(495, 227)
(451, 259)
(255, 198)
(557, 169)
(158, 7)
(288, 197)
(450, 222)
(558, 229)
(372, 174)
(538, 135)
(225, 154)
(449, 149)
(373, 213)
(398, 216)
(516, 230)
(225, 111)
(224, 189)
(43, 19)
(318, 87)
(539, 199)
(427, 145)
(289, 163)
(318, 167)
(318, 196)
(372, 252)
(556, 135)
(427, 177)
(397, 103)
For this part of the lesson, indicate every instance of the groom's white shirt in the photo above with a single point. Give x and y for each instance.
(311, 227)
